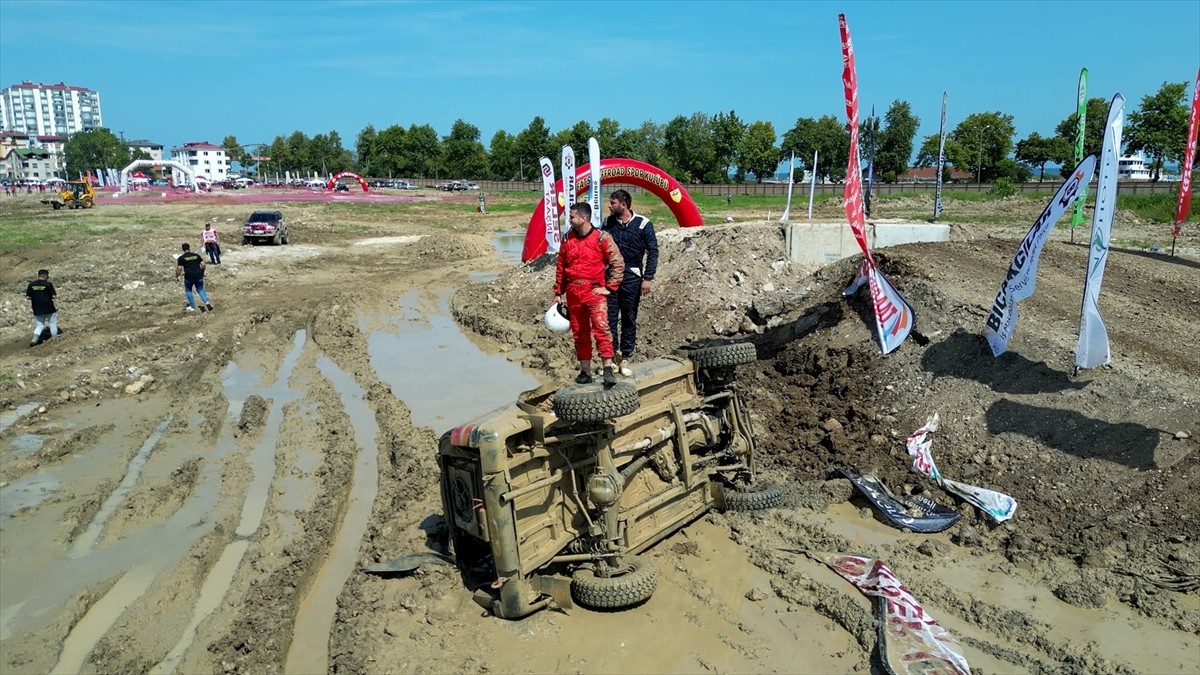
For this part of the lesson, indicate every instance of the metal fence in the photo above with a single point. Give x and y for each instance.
(1129, 187)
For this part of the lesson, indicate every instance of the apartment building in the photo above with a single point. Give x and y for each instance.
(155, 150)
(49, 109)
(207, 161)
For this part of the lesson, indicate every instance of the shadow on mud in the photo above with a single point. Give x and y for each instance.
(774, 340)
(1130, 444)
(966, 355)
(1159, 256)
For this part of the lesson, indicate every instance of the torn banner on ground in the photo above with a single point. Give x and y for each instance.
(918, 514)
(910, 640)
(999, 506)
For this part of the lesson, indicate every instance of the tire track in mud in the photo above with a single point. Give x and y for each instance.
(314, 618)
(262, 463)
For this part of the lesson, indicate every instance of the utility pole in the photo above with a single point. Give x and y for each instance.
(979, 166)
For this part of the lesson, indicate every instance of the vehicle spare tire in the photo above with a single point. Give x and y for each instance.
(753, 497)
(724, 356)
(634, 584)
(590, 403)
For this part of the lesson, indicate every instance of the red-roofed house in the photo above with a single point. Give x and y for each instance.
(207, 160)
(929, 175)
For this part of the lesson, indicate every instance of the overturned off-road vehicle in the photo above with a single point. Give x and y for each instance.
(555, 497)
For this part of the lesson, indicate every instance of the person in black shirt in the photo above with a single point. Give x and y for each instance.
(41, 296)
(191, 266)
(635, 237)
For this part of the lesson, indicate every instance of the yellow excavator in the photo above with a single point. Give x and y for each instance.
(73, 195)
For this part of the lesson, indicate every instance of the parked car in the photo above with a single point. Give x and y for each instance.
(265, 226)
(340, 187)
(557, 495)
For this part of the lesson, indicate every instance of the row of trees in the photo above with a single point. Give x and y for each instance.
(982, 142)
(698, 148)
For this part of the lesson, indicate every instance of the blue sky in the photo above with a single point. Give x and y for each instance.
(271, 68)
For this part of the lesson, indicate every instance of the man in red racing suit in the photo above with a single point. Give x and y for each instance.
(585, 253)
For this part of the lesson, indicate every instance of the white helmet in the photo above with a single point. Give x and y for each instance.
(556, 318)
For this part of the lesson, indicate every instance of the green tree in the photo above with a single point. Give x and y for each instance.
(828, 137)
(1093, 132)
(688, 147)
(757, 152)
(1035, 150)
(534, 142)
(980, 142)
(647, 143)
(388, 151)
(612, 142)
(894, 144)
(464, 155)
(576, 136)
(364, 145)
(94, 149)
(728, 132)
(927, 156)
(422, 155)
(298, 152)
(1159, 128)
(1013, 171)
(502, 157)
(235, 152)
(281, 159)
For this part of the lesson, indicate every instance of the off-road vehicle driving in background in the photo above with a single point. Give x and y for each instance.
(265, 226)
(556, 496)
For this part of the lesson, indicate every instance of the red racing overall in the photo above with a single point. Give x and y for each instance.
(581, 266)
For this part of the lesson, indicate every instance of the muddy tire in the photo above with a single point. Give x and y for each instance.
(634, 585)
(88, 203)
(245, 241)
(753, 497)
(56, 205)
(579, 404)
(284, 239)
(724, 356)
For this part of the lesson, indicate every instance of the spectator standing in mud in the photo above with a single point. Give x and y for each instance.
(211, 246)
(191, 266)
(41, 296)
(582, 259)
(635, 238)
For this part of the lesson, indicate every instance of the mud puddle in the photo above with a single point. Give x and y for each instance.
(84, 544)
(10, 417)
(465, 383)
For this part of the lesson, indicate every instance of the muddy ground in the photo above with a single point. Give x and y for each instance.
(188, 492)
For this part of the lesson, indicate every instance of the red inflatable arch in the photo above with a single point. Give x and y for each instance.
(338, 176)
(620, 171)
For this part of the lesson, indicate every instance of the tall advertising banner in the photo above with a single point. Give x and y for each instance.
(1080, 127)
(894, 317)
(567, 197)
(1021, 278)
(594, 184)
(941, 162)
(1092, 348)
(1184, 205)
(812, 184)
(787, 209)
(550, 206)
(871, 123)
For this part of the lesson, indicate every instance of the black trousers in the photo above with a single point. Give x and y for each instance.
(622, 315)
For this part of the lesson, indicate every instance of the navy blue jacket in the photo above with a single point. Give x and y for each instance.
(638, 245)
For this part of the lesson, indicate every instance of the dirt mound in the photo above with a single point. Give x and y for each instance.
(1099, 462)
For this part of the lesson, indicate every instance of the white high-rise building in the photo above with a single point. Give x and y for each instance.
(49, 109)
